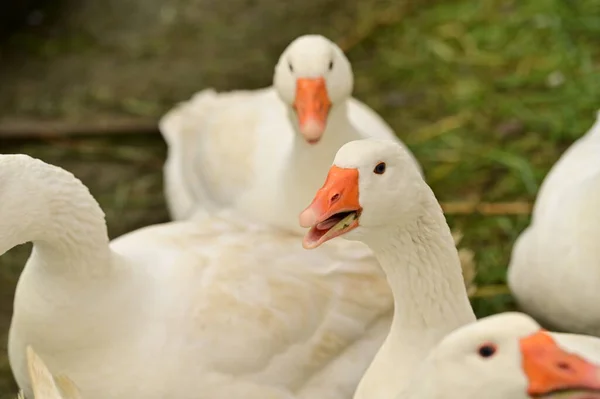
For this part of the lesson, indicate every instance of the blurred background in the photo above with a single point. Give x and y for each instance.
(486, 93)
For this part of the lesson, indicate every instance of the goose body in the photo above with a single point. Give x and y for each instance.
(373, 194)
(217, 306)
(264, 152)
(553, 271)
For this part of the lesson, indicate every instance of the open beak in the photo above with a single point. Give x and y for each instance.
(312, 107)
(335, 210)
(553, 372)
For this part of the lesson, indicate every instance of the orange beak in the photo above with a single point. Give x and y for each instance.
(312, 107)
(337, 199)
(551, 370)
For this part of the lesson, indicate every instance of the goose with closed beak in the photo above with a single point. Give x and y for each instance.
(374, 194)
(265, 152)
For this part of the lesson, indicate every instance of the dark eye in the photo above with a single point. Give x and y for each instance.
(291, 67)
(487, 350)
(330, 65)
(379, 169)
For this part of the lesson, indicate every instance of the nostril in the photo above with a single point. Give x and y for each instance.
(563, 366)
(334, 198)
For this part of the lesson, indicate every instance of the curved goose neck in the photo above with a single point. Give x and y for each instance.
(423, 270)
(48, 206)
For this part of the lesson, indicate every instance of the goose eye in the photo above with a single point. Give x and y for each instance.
(291, 67)
(379, 169)
(487, 350)
(330, 65)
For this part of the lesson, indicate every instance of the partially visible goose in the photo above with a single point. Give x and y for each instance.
(374, 194)
(216, 307)
(44, 384)
(554, 270)
(505, 356)
(264, 152)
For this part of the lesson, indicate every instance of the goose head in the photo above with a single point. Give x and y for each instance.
(312, 76)
(507, 356)
(371, 187)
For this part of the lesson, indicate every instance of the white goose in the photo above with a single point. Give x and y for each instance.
(215, 306)
(374, 194)
(505, 356)
(264, 152)
(553, 271)
(44, 384)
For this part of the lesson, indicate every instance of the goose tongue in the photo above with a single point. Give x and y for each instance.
(329, 223)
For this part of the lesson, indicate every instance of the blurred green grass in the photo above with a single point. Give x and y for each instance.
(487, 94)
